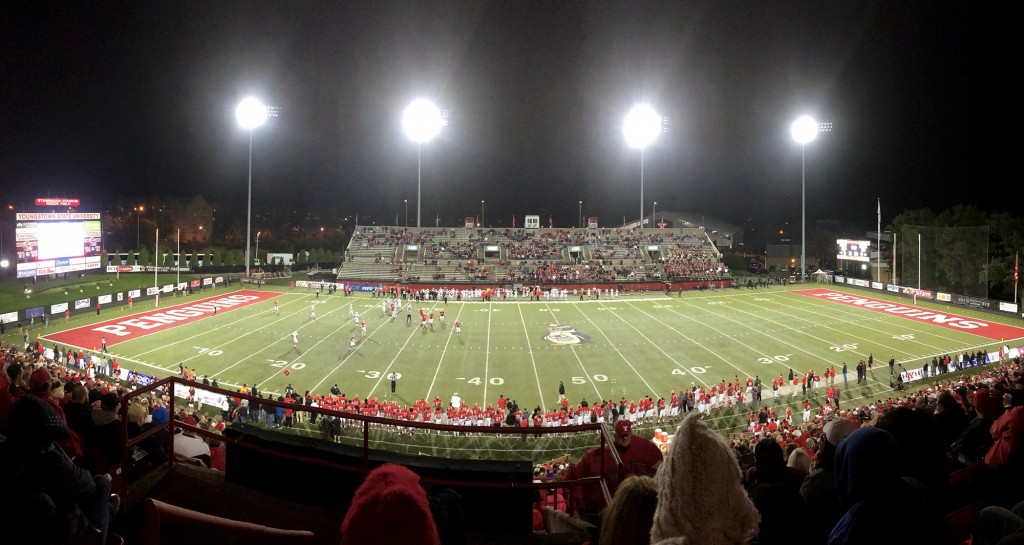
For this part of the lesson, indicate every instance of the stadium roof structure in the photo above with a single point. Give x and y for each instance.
(722, 233)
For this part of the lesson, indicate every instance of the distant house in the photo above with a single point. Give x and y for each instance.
(195, 219)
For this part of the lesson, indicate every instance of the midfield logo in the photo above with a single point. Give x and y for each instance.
(564, 334)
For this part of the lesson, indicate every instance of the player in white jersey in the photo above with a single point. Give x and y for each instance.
(350, 312)
(383, 308)
(277, 309)
(295, 339)
(440, 317)
(312, 311)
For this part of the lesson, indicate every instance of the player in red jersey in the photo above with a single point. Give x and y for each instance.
(458, 328)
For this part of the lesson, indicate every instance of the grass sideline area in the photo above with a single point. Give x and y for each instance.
(630, 347)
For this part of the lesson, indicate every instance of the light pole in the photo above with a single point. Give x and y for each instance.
(251, 113)
(804, 130)
(482, 224)
(580, 224)
(421, 121)
(138, 214)
(654, 213)
(640, 128)
(406, 213)
(257, 256)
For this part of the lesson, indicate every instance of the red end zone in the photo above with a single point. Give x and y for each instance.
(134, 326)
(976, 326)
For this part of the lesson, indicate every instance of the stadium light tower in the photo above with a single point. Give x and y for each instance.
(482, 224)
(422, 121)
(640, 128)
(251, 113)
(138, 214)
(580, 224)
(804, 131)
(406, 213)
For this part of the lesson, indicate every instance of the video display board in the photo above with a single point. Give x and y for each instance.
(854, 250)
(57, 243)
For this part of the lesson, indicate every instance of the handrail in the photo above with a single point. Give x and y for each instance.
(365, 459)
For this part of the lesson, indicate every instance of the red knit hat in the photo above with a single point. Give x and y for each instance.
(391, 501)
(39, 380)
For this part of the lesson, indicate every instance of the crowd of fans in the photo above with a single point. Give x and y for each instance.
(61, 440)
(66, 421)
(547, 256)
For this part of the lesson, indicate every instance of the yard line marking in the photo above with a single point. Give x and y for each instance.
(617, 351)
(891, 349)
(579, 361)
(487, 352)
(533, 361)
(383, 375)
(206, 331)
(444, 351)
(654, 345)
(701, 345)
(913, 326)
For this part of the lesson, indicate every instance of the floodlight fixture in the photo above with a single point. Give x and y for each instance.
(804, 130)
(422, 121)
(250, 114)
(640, 128)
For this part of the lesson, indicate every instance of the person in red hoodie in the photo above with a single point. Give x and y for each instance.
(639, 456)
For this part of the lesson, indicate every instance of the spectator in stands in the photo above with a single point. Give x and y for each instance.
(639, 457)
(922, 454)
(628, 519)
(950, 418)
(189, 447)
(700, 491)
(800, 460)
(870, 486)
(1000, 526)
(67, 502)
(775, 490)
(974, 442)
(154, 451)
(389, 507)
(103, 443)
(78, 411)
(821, 500)
(1008, 438)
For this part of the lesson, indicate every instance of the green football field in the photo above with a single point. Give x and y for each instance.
(632, 346)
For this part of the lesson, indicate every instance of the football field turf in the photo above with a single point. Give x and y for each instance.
(632, 346)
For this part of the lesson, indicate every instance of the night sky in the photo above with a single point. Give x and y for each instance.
(113, 101)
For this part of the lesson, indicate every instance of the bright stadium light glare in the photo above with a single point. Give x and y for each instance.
(251, 113)
(422, 121)
(640, 128)
(804, 130)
